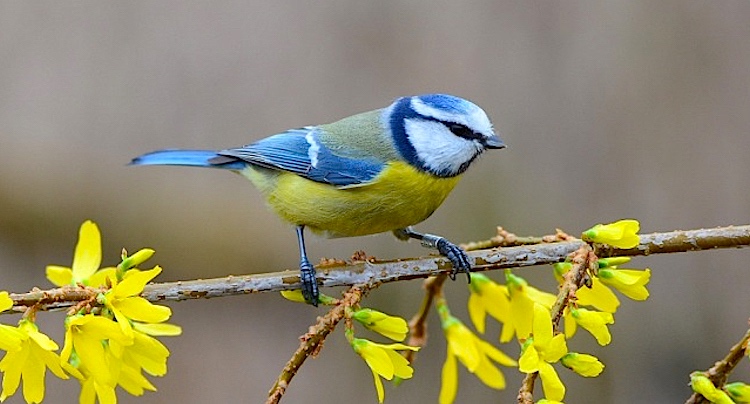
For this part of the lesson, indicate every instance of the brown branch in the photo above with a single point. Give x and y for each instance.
(312, 342)
(720, 371)
(365, 273)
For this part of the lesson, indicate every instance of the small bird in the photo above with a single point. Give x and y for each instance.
(377, 171)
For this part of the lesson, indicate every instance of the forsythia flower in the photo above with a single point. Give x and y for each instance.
(594, 322)
(384, 361)
(597, 296)
(488, 297)
(583, 364)
(630, 282)
(473, 352)
(10, 337)
(620, 234)
(295, 295)
(30, 362)
(125, 304)
(522, 300)
(86, 260)
(392, 327)
(740, 392)
(85, 351)
(703, 386)
(541, 350)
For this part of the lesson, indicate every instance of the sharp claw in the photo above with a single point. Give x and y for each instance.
(457, 257)
(309, 282)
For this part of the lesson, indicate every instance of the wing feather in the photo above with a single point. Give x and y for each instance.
(300, 151)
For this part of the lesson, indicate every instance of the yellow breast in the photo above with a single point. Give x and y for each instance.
(398, 197)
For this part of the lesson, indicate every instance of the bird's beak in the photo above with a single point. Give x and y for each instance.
(494, 142)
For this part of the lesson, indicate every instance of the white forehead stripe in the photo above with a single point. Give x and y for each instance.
(474, 117)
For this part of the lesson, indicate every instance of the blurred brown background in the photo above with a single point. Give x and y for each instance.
(610, 110)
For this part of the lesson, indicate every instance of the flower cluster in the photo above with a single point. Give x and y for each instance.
(109, 341)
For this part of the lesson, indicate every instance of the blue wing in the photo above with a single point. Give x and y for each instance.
(300, 151)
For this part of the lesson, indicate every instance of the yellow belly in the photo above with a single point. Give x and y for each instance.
(400, 196)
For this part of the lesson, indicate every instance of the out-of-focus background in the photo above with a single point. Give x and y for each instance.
(610, 110)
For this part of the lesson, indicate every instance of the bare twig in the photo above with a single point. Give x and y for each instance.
(720, 371)
(312, 341)
(368, 273)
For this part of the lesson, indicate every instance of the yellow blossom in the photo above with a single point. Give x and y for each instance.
(86, 259)
(594, 322)
(295, 295)
(487, 297)
(583, 364)
(384, 361)
(123, 300)
(620, 234)
(84, 349)
(30, 363)
(522, 300)
(541, 350)
(473, 352)
(703, 386)
(740, 392)
(392, 327)
(597, 295)
(630, 282)
(10, 337)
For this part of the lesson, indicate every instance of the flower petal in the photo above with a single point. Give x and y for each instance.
(88, 252)
(59, 276)
(449, 379)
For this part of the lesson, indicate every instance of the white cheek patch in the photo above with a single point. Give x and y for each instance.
(474, 117)
(438, 148)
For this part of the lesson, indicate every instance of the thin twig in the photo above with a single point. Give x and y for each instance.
(364, 273)
(720, 371)
(312, 342)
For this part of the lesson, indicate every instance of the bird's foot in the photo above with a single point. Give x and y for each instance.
(309, 282)
(457, 256)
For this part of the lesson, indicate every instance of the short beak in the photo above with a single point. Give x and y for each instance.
(494, 142)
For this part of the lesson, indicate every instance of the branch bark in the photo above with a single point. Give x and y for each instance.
(371, 273)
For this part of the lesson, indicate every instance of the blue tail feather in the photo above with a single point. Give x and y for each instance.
(194, 158)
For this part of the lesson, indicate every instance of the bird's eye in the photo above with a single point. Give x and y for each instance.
(463, 131)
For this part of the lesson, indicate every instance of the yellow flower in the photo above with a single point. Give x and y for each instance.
(84, 349)
(703, 386)
(740, 392)
(583, 364)
(392, 327)
(541, 350)
(522, 300)
(125, 304)
(30, 363)
(86, 260)
(620, 234)
(10, 337)
(384, 361)
(597, 296)
(487, 297)
(473, 352)
(594, 322)
(630, 282)
(295, 295)
(545, 401)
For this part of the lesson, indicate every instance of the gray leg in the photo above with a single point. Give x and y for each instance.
(454, 253)
(306, 271)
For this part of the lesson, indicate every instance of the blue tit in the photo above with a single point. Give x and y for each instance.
(377, 171)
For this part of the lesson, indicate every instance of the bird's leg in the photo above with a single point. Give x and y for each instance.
(306, 271)
(454, 253)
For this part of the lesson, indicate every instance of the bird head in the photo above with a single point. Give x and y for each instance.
(439, 133)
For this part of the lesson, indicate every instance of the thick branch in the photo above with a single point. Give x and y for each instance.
(364, 273)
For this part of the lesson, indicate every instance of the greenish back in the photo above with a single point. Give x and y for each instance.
(360, 136)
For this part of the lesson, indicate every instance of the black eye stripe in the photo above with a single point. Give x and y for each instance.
(463, 131)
